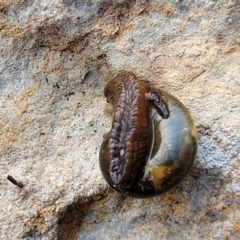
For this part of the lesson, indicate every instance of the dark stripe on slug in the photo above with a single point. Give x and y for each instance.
(158, 103)
(123, 121)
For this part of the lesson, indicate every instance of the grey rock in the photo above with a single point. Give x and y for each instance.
(56, 57)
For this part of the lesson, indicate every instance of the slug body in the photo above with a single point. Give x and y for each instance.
(152, 144)
(127, 147)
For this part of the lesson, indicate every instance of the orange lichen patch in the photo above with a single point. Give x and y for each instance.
(109, 23)
(222, 207)
(22, 103)
(236, 227)
(6, 3)
(59, 71)
(11, 134)
(12, 30)
(194, 14)
(12, 128)
(38, 223)
(46, 211)
(166, 10)
(231, 49)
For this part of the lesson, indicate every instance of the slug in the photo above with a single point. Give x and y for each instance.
(138, 156)
(130, 138)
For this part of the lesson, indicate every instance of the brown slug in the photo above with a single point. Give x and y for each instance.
(130, 138)
(133, 154)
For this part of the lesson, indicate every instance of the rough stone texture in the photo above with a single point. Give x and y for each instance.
(55, 58)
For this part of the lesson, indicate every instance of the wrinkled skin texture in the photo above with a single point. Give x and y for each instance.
(127, 146)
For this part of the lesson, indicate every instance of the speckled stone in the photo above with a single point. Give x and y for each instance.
(56, 57)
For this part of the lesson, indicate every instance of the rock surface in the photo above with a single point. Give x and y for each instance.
(56, 57)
